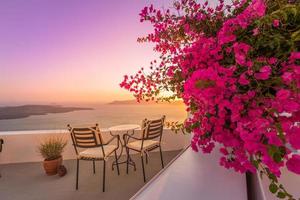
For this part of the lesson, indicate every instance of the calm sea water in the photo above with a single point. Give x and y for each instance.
(105, 115)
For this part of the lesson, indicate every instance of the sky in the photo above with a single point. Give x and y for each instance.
(70, 51)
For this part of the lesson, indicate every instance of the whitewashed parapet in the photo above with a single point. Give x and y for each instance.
(21, 146)
(194, 176)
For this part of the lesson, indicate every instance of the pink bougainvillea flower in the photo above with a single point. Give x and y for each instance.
(244, 99)
(264, 73)
(274, 139)
(224, 151)
(291, 106)
(170, 71)
(283, 94)
(272, 60)
(295, 55)
(294, 137)
(255, 31)
(228, 50)
(293, 164)
(241, 51)
(243, 80)
(208, 148)
(251, 94)
(287, 77)
(186, 28)
(272, 165)
(276, 23)
(259, 7)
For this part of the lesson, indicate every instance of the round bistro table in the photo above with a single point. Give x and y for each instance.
(121, 130)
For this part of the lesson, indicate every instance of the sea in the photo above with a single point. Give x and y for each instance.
(106, 115)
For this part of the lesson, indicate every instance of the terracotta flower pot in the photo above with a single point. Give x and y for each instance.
(51, 166)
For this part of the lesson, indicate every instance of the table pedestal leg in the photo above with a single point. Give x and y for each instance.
(128, 160)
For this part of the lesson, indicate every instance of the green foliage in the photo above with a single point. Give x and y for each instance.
(52, 147)
(176, 127)
(281, 195)
(273, 188)
(277, 41)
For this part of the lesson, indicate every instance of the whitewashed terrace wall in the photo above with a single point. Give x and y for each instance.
(21, 146)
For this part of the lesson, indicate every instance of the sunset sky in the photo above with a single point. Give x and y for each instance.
(60, 51)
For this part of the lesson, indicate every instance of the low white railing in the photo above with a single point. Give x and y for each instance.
(192, 176)
(21, 146)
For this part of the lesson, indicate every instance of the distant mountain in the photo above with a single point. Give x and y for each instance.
(17, 112)
(134, 102)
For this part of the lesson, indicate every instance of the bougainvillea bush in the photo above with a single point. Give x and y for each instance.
(237, 68)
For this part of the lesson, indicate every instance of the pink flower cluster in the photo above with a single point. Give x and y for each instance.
(249, 122)
(249, 109)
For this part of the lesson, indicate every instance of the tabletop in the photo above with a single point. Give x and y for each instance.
(124, 127)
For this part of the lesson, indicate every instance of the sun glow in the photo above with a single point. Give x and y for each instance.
(69, 53)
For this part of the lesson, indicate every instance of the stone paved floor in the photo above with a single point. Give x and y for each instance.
(27, 181)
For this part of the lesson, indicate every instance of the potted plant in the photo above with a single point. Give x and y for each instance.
(51, 149)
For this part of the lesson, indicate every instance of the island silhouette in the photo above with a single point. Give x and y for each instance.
(17, 112)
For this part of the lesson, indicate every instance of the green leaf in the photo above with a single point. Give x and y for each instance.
(281, 195)
(273, 188)
(272, 150)
(255, 163)
(272, 177)
(296, 36)
(277, 157)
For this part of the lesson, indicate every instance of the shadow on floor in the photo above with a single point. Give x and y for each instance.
(27, 181)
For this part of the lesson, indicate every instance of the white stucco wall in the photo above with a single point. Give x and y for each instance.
(195, 176)
(21, 146)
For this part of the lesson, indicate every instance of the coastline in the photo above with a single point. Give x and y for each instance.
(20, 112)
(105, 115)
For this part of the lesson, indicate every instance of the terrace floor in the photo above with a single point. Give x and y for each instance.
(27, 181)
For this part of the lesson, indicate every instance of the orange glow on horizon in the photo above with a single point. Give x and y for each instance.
(77, 53)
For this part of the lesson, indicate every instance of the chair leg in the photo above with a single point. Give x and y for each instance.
(161, 157)
(143, 168)
(77, 174)
(94, 168)
(146, 158)
(116, 158)
(103, 183)
(127, 160)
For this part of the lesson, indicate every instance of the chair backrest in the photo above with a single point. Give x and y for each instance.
(86, 137)
(153, 128)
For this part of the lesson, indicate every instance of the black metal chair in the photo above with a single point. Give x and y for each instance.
(89, 145)
(150, 140)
